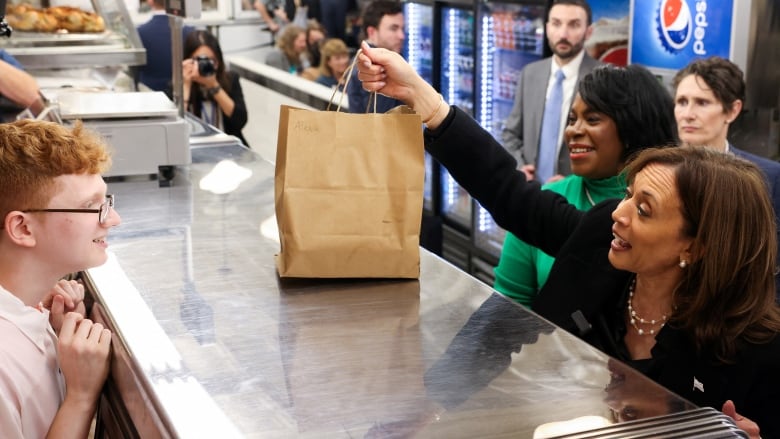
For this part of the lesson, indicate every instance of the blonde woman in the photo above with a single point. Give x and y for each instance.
(290, 45)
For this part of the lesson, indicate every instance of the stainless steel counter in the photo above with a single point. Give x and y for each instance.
(211, 343)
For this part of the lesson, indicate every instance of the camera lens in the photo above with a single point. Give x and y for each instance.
(206, 65)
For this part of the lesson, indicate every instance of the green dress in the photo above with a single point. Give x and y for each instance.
(523, 269)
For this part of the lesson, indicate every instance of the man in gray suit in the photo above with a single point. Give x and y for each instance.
(568, 26)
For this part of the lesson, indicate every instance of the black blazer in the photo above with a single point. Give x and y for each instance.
(582, 282)
(771, 171)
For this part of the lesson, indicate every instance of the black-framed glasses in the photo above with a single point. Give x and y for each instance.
(102, 211)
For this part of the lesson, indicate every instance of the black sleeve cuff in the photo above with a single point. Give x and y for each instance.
(431, 135)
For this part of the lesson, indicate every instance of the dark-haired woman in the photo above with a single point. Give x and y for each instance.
(616, 113)
(212, 92)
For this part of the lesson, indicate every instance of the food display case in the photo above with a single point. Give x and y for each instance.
(115, 43)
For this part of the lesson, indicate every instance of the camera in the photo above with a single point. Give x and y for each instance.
(206, 65)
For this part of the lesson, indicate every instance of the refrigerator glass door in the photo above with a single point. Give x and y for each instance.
(457, 47)
(428, 184)
(418, 45)
(511, 36)
(456, 79)
(418, 50)
(456, 202)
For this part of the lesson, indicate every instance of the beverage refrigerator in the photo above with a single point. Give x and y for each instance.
(510, 35)
(418, 45)
(455, 81)
(440, 38)
(418, 51)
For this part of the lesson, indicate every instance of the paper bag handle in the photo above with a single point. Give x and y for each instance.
(346, 76)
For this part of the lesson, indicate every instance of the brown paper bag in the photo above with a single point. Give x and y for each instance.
(349, 193)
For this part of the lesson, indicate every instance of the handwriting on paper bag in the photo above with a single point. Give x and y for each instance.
(306, 127)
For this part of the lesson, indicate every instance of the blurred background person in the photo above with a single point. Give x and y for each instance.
(313, 11)
(156, 37)
(17, 87)
(333, 15)
(315, 35)
(333, 63)
(616, 113)
(289, 50)
(310, 59)
(709, 95)
(276, 13)
(354, 23)
(383, 26)
(212, 92)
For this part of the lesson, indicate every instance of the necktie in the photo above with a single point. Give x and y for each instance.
(551, 127)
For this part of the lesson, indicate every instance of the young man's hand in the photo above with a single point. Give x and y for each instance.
(82, 349)
(66, 296)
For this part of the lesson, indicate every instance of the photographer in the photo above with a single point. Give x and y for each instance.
(210, 91)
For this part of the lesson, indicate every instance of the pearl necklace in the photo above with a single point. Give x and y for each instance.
(636, 320)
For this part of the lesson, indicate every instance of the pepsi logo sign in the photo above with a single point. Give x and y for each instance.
(677, 25)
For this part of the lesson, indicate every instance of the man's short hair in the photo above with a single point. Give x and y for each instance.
(377, 9)
(34, 152)
(581, 3)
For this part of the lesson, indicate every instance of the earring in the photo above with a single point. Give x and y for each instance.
(683, 263)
